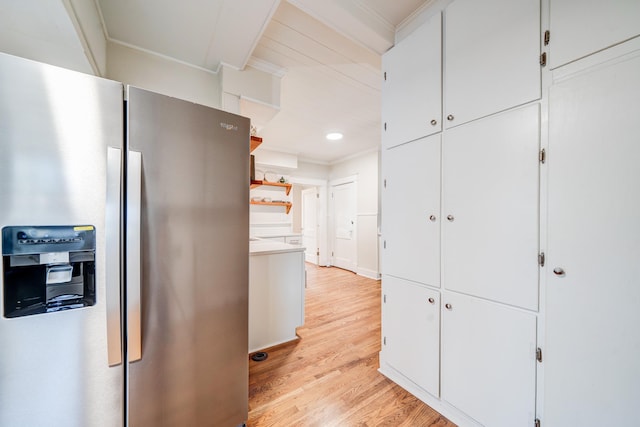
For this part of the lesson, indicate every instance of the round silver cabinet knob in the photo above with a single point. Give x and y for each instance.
(558, 271)
(432, 218)
(450, 117)
(450, 218)
(432, 301)
(448, 306)
(434, 122)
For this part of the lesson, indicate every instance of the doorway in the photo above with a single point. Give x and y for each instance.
(317, 252)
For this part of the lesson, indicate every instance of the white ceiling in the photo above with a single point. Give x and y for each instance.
(329, 51)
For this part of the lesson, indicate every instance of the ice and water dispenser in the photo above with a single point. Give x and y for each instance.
(48, 269)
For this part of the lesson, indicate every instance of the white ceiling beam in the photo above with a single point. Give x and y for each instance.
(354, 20)
(238, 31)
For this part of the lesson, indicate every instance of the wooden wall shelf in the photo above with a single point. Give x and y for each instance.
(285, 204)
(255, 142)
(286, 186)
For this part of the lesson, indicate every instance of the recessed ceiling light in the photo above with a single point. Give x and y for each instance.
(334, 136)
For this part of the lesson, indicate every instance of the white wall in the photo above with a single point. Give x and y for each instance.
(366, 167)
(252, 92)
(312, 171)
(162, 75)
(42, 31)
(272, 220)
(251, 83)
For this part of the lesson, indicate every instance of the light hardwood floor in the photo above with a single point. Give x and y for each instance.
(329, 376)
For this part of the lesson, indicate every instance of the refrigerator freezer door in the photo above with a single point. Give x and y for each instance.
(194, 263)
(55, 127)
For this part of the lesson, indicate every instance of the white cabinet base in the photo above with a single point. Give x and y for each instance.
(451, 412)
(276, 298)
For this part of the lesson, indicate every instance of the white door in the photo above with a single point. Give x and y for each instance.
(491, 57)
(591, 362)
(310, 224)
(344, 226)
(488, 361)
(490, 195)
(411, 211)
(411, 331)
(412, 90)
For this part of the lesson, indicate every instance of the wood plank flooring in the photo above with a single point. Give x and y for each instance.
(329, 376)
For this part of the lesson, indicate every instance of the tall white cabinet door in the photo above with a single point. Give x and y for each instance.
(411, 91)
(490, 208)
(579, 28)
(592, 350)
(488, 361)
(411, 330)
(492, 50)
(411, 211)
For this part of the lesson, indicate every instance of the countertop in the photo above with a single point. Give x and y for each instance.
(266, 247)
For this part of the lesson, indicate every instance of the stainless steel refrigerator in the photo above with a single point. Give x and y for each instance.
(124, 281)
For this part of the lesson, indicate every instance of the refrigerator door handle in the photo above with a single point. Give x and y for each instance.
(134, 202)
(112, 255)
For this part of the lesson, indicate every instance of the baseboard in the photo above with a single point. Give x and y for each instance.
(371, 274)
(451, 412)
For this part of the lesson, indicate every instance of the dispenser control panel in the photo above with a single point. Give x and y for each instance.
(48, 268)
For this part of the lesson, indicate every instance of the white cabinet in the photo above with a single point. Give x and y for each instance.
(276, 294)
(489, 247)
(411, 331)
(580, 28)
(411, 90)
(492, 51)
(490, 193)
(460, 215)
(489, 361)
(591, 365)
(411, 211)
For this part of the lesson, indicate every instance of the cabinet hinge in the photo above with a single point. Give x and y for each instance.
(539, 355)
(384, 244)
(536, 422)
(543, 59)
(541, 259)
(385, 125)
(547, 37)
(317, 195)
(384, 298)
(542, 156)
(385, 74)
(318, 252)
(384, 340)
(385, 183)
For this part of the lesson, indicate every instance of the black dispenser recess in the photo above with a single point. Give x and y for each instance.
(48, 268)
